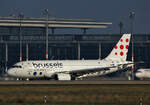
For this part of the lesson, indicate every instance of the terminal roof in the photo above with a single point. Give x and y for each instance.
(52, 22)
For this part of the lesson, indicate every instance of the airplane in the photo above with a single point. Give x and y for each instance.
(143, 73)
(72, 69)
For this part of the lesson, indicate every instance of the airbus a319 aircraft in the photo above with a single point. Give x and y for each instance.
(72, 69)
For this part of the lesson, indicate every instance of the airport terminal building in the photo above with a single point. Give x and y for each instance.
(62, 46)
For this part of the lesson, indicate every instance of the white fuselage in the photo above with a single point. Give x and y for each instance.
(34, 69)
(143, 73)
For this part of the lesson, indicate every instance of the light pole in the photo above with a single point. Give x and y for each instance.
(46, 25)
(132, 17)
(20, 33)
(120, 26)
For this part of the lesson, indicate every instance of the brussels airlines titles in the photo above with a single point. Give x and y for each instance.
(47, 65)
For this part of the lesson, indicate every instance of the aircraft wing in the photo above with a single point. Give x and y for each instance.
(89, 70)
(96, 69)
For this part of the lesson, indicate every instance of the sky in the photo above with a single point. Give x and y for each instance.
(100, 10)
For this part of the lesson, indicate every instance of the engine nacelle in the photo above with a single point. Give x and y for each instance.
(49, 75)
(63, 76)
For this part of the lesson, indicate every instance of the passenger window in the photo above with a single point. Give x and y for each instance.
(40, 73)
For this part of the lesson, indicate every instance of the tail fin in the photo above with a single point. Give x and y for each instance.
(120, 51)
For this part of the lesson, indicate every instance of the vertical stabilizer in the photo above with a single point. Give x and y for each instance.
(120, 51)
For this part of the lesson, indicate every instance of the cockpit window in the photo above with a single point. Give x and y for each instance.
(16, 66)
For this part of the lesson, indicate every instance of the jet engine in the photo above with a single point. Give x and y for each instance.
(63, 76)
(49, 75)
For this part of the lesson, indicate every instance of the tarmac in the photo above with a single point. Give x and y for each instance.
(81, 82)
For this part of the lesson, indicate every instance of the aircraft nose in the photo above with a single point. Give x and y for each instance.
(11, 72)
(138, 75)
